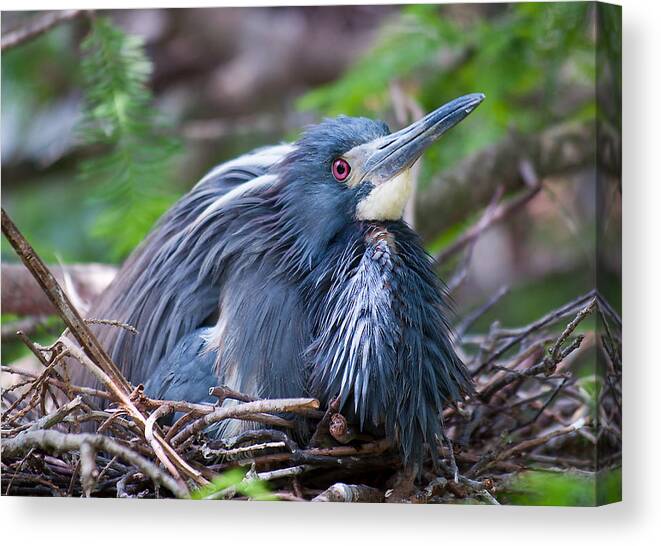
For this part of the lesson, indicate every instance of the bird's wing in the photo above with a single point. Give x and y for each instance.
(187, 373)
(170, 285)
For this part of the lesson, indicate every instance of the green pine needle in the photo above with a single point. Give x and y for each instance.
(130, 176)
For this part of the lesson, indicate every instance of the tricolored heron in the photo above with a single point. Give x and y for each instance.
(289, 272)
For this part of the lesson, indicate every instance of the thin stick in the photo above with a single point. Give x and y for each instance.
(52, 419)
(168, 456)
(525, 445)
(92, 352)
(37, 27)
(546, 319)
(52, 440)
(470, 319)
(273, 406)
(75, 389)
(109, 322)
(61, 301)
(500, 213)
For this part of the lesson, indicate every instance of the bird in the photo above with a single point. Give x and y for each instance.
(289, 272)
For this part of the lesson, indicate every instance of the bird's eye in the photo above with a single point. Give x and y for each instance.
(341, 169)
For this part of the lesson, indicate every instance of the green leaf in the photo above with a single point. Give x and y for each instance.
(522, 56)
(567, 489)
(234, 481)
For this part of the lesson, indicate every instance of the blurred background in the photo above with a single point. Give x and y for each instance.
(110, 116)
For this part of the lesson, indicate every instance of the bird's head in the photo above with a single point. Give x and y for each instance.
(354, 169)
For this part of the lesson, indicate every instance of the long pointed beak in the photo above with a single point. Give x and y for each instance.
(398, 151)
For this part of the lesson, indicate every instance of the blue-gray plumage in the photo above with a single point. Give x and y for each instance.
(289, 272)
(182, 372)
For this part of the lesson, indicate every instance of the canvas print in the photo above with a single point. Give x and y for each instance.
(321, 254)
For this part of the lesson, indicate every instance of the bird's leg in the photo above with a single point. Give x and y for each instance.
(451, 460)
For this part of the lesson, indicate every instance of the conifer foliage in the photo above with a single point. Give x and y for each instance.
(134, 152)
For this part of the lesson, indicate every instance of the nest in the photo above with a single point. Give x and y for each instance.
(531, 411)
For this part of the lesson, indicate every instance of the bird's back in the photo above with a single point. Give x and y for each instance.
(171, 285)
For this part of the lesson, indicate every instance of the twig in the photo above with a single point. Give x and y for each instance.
(168, 456)
(52, 419)
(60, 384)
(98, 362)
(545, 320)
(52, 440)
(223, 393)
(33, 387)
(556, 350)
(274, 406)
(472, 317)
(486, 221)
(109, 322)
(323, 425)
(37, 27)
(546, 404)
(27, 325)
(204, 409)
(88, 470)
(232, 454)
(522, 446)
(60, 300)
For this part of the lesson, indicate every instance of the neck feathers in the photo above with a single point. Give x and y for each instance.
(383, 342)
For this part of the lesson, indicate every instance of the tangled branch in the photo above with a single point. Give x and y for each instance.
(532, 411)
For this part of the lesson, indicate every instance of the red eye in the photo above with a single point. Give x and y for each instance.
(341, 169)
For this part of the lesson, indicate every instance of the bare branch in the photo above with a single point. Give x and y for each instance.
(51, 440)
(470, 185)
(22, 295)
(37, 27)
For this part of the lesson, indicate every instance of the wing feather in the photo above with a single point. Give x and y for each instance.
(171, 283)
